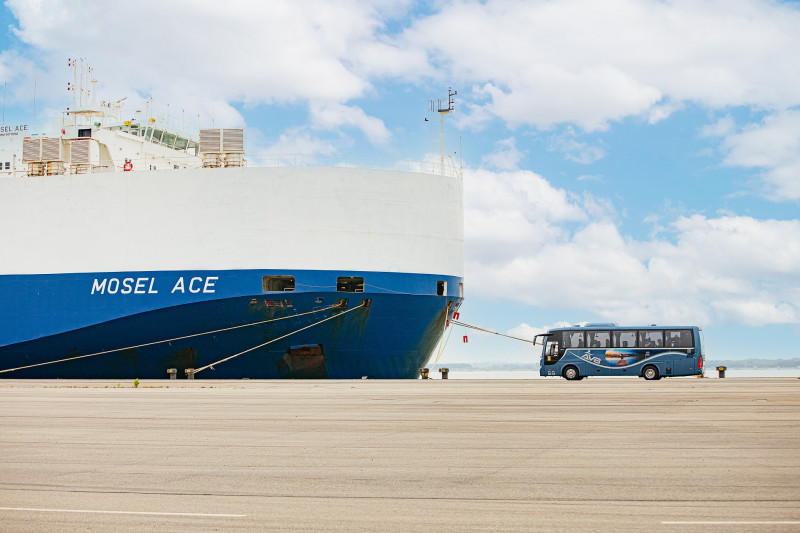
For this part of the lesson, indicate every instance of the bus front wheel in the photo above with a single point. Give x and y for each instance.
(571, 373)
(650, 372)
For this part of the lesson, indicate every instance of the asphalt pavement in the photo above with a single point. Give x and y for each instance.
(680, 454)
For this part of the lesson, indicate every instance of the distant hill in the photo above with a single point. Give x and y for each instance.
(755, 363)
(482, 367)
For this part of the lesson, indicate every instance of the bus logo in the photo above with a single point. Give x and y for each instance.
(588, 357)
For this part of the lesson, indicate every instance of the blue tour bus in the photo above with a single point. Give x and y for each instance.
(651, 352)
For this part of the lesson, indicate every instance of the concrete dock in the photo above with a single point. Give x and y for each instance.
(680, 454)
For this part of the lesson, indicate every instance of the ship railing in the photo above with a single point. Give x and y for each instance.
(446, 167)
(442, 167)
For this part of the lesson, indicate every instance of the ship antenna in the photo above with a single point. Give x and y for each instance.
(442, 112)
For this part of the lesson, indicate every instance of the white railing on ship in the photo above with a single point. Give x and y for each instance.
(448, 168)
(444, 167)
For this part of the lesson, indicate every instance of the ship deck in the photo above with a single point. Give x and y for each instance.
(681, 454)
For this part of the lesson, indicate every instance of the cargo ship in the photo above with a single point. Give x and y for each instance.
(134, 251)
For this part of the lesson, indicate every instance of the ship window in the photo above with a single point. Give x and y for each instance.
(441, 288)
(8, 165)
(349, 284)
(277, 283)
(180, 143)
(168, 140)
(84, 132)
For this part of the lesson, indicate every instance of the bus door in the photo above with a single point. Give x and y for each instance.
(682, 341)
(551, 353)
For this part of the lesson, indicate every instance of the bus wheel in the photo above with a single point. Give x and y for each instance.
(650, 372)
(571, 373)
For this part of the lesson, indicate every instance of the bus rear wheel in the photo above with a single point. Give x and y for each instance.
(571, 373)
(650, 372)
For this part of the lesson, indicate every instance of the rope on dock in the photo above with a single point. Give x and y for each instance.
(171, 340)
(457, 323)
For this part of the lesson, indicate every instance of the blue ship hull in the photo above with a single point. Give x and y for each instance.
(387, 331)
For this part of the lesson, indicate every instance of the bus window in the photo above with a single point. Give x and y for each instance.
(573, 339)
(651, 339)
(624, 339)
(551, 349)
(598, 339)
(679, 338)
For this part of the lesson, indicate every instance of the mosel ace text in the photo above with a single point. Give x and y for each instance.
(148, 285)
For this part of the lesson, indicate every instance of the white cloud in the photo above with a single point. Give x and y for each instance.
(472, 116)
(526, 331)
(506, 155)
(331, 116)
(574, 150)
(721, 128)
(261, 52)
(207, 55)
(756, 311)
(540, 63)
(728, 269)
(663, 110)
(773, 145)
(294, 142)
(588, 63)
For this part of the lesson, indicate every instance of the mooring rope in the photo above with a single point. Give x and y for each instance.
(489, 331)
(170, 340)
(443, 346)
(274, 340)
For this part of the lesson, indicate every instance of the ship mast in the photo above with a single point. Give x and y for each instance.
(442, 111)
(84, 102)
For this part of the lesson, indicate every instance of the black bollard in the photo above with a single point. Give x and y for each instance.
(721, 370)
(173, 373)
(444, 372)
(423, 372)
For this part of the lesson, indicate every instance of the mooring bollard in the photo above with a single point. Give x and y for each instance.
(173, 373)
(444, 372)
(721, 370)
(423, 372)
(190, 373)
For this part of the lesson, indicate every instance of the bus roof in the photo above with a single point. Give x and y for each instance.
(608, 327)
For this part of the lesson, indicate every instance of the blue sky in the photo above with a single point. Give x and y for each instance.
(626, 161)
